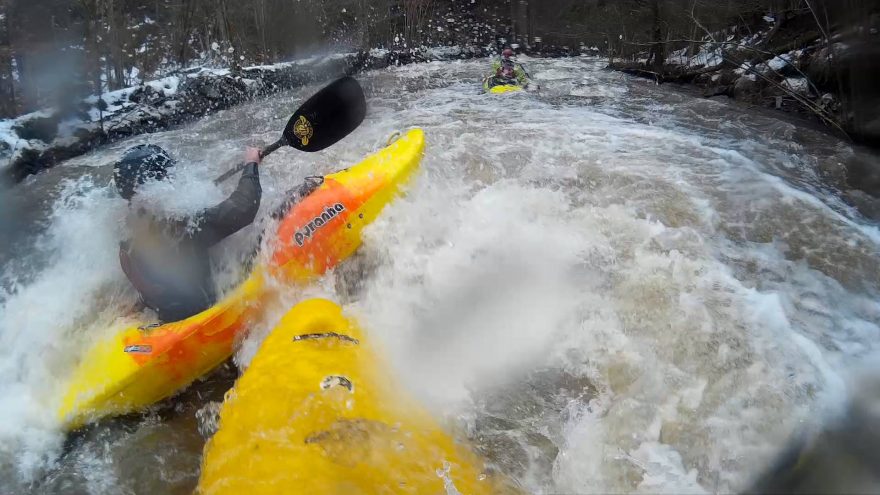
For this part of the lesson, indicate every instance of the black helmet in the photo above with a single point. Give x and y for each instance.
(138, 165)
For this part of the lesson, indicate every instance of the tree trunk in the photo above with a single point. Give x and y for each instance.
(228, 36)
(414, 16)
(8, 105)
(30, 95)
(183, 34)
(93, 54)
(656, 54)
(261, 17)
(116, 60)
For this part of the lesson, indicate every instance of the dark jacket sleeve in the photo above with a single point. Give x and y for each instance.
(234, 213)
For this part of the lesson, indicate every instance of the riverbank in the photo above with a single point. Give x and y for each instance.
(790, 63)
(37, 141)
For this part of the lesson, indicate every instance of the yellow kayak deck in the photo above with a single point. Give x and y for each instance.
(318, 412)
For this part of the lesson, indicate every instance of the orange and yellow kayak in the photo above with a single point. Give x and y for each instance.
(143, 364)
(318, 412)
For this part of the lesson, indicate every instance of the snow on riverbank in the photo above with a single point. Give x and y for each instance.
(788, 64)
(38, 140)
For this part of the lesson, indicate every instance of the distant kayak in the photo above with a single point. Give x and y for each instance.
(490, 86)
(142, 364)
(318, 412)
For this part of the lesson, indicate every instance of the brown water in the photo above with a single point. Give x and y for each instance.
(607, 285)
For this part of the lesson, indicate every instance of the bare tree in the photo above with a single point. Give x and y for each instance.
(115, 23)
(416, 12)
(8, 105)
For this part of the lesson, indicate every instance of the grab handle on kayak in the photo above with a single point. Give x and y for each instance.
(393, 137)
(327, 335)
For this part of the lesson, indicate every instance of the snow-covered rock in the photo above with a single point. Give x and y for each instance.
(797, 85)
(779, 62)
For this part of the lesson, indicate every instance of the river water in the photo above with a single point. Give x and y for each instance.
(608, 286)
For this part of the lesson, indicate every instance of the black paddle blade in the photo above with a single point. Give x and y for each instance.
(328, 116)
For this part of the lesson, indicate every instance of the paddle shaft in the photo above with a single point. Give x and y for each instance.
(263, 154)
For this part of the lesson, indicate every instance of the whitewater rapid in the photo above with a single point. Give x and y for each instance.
(608, 286)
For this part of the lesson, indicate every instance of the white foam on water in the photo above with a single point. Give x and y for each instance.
(701, 376)
(76, 300)
(670, 252)
(37, 341)
(589, 88)
(552, 75)
(476, 297)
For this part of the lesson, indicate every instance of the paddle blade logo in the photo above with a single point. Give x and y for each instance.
(303, 130)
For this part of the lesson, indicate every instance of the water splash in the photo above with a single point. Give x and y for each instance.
(611, 286)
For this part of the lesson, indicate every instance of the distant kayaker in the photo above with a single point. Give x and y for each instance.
(507, 71)
(167, 260)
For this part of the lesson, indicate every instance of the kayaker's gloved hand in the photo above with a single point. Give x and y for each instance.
(252, 155)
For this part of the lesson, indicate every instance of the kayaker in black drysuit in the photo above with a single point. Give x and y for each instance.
(167, 260)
